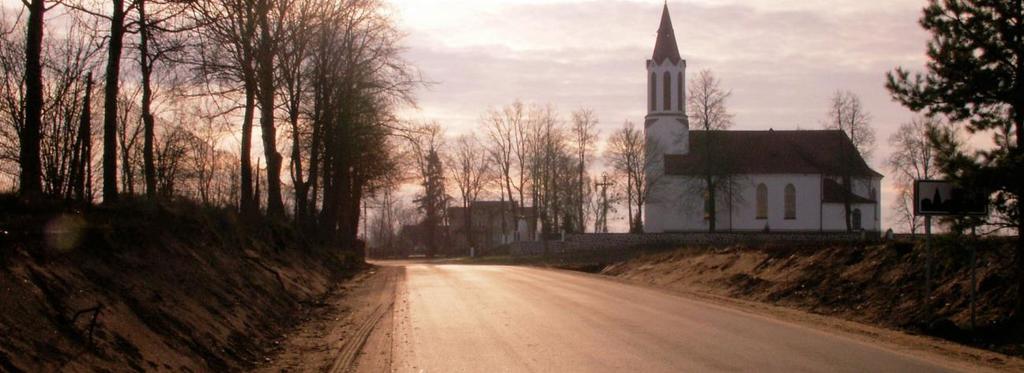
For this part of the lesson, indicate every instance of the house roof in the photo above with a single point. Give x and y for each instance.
(827, 152)
(665, 47)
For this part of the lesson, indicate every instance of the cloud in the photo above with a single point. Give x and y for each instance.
(781, 59)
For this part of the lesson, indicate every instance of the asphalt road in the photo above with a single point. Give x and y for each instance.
(463, 318)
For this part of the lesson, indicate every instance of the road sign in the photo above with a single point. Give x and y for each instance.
(946, 198)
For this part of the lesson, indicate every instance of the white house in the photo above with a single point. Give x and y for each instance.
(779, 181)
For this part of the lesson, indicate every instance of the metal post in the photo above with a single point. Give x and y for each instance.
(927, 267)
(974, 266)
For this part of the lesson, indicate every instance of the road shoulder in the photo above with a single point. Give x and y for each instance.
(954, 355)
(334, 332)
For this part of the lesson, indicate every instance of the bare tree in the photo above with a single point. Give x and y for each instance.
(12, 96)
(506, 134)
(583, 139)
(706, 106)
(427, 141)
(81, 158)
(549, 159)
(358, 77)
(639, 161)
(270, 16)
(111, 91)
(470, 169)
(225, 60)
(69, 57)
(295, 55)
(912, 159)
(846, 114)
(160, 28)
(128, 131)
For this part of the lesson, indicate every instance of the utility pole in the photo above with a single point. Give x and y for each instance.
(602, 219)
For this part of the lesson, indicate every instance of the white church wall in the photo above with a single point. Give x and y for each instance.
(808, 197)
(676, 205)
(666, 209)
(674, 70)
(666, 126)
(834, 220)
(871, 218)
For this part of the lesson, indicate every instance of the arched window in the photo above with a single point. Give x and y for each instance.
(856, 220)
(790, 199)
(668, 91)
(654, 87)
(762, 201)
(679, 85)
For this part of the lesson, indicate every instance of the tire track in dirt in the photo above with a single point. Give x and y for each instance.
(332, 338)
(346, 358)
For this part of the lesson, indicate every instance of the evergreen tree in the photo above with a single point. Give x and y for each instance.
(976, 76)
(433, 201)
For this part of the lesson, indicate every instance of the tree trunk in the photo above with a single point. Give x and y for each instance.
(126, 165)
(248, 200)
(515, 209)
(469, 223)
(847, 191)
(265, 75)
(110, 102)
(354, 214)
(581, 224)
(301, 185)
(82, 155)
(709, 203)
(146, 68)
(1019, 255)
(312, 180)
(629, 201)
(31, 166)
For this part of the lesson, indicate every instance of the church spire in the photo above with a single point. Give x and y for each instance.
(665, 47)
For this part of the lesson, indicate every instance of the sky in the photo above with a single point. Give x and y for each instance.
(781, 59)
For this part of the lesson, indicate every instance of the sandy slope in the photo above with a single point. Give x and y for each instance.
(876, 285)
(179, 290)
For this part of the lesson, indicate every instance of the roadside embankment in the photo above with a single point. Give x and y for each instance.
(876, 284)
(142, 286)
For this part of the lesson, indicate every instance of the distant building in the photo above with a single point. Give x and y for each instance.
(772, 180)
(493, 223)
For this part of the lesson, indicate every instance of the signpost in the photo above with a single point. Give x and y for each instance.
(946, 198)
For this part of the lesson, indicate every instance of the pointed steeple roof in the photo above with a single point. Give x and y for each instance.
(665, 46)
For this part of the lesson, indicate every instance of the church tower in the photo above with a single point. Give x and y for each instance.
(666, 122)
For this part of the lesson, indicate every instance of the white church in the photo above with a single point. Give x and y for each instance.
(769, 181)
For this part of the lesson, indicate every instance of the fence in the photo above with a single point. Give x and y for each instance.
(619, 241)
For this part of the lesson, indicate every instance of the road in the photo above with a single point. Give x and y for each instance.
(464, 318)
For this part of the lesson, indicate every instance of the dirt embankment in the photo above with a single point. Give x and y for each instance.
(151, 288)
(880, 285)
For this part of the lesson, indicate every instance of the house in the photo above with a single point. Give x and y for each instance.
(493, 223)
(778, 181)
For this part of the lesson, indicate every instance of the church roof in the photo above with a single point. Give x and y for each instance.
(665, 47)
(771, 152)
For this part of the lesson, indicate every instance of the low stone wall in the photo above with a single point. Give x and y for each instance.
(619, 241)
